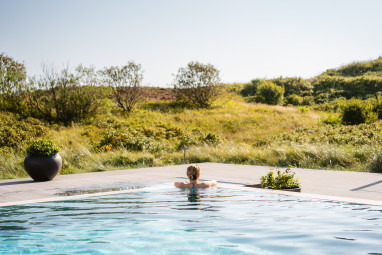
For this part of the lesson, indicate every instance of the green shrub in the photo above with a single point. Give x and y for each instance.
(376, 164)
(332, 119)
(356, 112)
(211, 139)
(250, 89)
(15, 132)
(328, 87)
(308, 100)
(293, 100)
(131, 141)
(64, 97)
(303, 109)
(235, 88)
(294, 85)
(378, 106)
(42, 148)
(269, 93)
(197, 84)
(126, 84)
(12, 85)
(283, 180)
(187, 140)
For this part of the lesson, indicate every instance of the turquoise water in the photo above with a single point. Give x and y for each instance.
(166, 220)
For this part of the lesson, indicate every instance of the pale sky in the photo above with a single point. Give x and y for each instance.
(244, 39)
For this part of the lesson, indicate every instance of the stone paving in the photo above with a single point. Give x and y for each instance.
(354, 187)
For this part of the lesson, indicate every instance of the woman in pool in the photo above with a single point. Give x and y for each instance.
(193, 173)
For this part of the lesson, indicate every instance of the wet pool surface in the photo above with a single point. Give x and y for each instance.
(167, 220)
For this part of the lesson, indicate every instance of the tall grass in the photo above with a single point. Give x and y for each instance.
(241, 124)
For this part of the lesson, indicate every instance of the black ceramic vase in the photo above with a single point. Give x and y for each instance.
(42, 168)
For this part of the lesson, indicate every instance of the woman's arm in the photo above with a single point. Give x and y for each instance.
(180, 184)
(207, 184)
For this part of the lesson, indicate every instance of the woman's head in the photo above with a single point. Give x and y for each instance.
(193, 172)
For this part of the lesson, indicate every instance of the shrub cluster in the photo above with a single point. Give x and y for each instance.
(250, 89)
(327, 88)
(294, 86)
(14, 132)
(329, 134)
(357, 68)
(64, 97)
(283, 180)
(296, 91)
(156, 139)
(269, 93)
(356, 112)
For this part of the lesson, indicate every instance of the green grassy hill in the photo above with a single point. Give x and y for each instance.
(305, 131)
(359, 68)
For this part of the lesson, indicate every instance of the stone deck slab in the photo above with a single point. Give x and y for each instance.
(354, 187)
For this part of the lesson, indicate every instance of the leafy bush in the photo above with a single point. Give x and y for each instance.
(250, 89)
(296, 85)
(134, 141)
(14, 132)
(155, 139)
(12, 85)
(293, 100)
(378, 106)
(356, 112)
(235, 88)
(283, 180)
(337, 86)
(269, 93)
(42, 148)
(197, 84)
(211, 139)
(126, 84)
(307, 100)
(332, 119)
(376, 164)
(64, 97)
(187, 140)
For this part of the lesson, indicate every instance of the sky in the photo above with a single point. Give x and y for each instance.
(244, 39)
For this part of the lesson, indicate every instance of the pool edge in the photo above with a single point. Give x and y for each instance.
(224, 185)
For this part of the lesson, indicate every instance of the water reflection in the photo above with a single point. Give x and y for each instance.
(194, 195)
(199, 200)
(194, 199)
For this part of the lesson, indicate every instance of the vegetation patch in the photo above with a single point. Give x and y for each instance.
(282, 180)
(104, 119)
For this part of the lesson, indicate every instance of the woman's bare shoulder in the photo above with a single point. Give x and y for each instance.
(207, 184)
(181, 184)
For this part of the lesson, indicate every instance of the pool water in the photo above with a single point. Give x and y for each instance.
(167, 220)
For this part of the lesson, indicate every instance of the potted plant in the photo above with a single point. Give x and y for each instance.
(42, 162)
(282, 181)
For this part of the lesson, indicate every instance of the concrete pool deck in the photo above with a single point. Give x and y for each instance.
(353, 187)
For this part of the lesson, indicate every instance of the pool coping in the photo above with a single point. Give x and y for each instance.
(223, 185)
(349, 187)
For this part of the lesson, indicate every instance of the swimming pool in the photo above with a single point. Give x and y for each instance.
(166, 220)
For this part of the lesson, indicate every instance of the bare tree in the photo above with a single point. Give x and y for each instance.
(197, 83)
(125, 82)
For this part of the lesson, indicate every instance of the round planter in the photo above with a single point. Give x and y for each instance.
(42, 168)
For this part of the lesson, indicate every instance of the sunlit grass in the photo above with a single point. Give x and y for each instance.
(241, 125)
